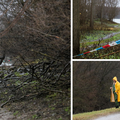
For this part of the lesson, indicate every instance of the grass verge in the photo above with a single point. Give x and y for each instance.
(95, 114)
(89, 37)
(106, 41)
(100, 31)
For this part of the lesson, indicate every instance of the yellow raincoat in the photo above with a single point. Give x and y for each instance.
(117, 88)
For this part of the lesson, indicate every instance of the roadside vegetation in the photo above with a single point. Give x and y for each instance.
(95, 114)
(94, 26)
(89, 37)
(101, 35)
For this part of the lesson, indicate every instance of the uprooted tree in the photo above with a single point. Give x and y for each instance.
(36, 34)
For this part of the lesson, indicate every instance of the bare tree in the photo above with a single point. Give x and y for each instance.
(102, 9)
(111, 8)
(92, 14)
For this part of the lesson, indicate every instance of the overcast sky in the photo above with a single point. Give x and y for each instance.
(119, 4)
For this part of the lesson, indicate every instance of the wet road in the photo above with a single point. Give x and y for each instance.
(110, 117)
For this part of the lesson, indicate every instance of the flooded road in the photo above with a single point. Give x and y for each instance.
(110, 117)
(116, 20)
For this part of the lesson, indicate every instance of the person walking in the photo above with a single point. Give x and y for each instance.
(116, 91)
(114, 95)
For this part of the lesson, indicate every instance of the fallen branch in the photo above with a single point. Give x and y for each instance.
(6, 102)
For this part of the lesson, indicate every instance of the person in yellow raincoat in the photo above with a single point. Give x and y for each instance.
(117, 88)
(114, 95)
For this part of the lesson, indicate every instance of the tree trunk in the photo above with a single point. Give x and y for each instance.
(92, 14)
(102, 7)
(76, 27)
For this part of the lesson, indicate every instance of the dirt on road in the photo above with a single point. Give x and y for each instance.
(6, 115)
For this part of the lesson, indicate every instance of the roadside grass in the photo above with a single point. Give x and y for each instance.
(107, 53)
(105, 41)
(95, 114)
(100, 31)
(93, 35)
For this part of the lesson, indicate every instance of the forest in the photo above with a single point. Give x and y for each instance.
(93, 27)
(35, 35)
(91, 84)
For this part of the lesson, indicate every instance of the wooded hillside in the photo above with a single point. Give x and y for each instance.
(91, 84)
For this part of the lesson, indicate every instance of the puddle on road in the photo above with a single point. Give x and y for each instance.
(110, 117)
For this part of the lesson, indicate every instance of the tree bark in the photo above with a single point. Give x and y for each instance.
(92, 14)
(102, 7)
(76, 27)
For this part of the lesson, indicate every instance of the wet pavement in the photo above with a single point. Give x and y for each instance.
(110, 117)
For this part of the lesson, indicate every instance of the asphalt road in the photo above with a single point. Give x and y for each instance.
(110, 117)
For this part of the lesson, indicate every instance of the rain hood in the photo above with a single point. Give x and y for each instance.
(115, 78)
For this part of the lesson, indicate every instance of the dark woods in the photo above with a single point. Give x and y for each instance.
(92, 81)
